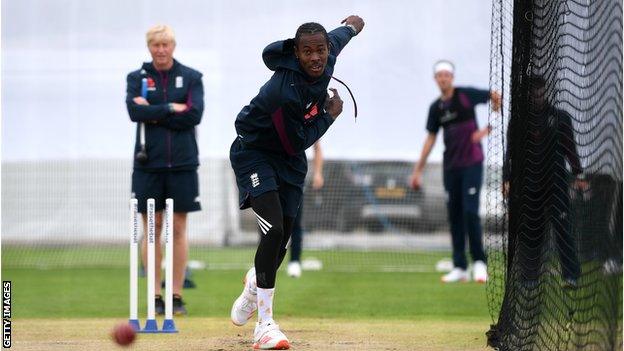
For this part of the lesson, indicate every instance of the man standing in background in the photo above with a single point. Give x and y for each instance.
(463, 166)
(545, 185)
(166, 99)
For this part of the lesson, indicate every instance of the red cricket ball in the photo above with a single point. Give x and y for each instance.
(123, 334)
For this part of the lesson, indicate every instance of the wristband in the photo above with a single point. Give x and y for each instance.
(352, 27)
(171, 109)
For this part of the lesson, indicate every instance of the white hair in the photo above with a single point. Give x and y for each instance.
(160, 32)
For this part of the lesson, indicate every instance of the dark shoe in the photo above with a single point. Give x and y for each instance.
(188, 284)
(178, 305)
(570, 283)
(160, 305)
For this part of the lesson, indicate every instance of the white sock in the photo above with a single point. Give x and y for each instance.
(265, 304)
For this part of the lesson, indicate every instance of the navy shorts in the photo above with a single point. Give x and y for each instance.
(181, 186)
(258, 172)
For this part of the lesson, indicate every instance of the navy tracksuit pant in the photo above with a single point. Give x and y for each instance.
(463, 187)
(296, 238)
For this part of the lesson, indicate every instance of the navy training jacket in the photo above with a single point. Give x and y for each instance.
(288, 116)
(170, 138)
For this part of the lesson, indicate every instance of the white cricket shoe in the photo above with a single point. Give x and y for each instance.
(456, 275)
(267, 336)
(479, 272)
(612, 267)
(294, 269)
(246, 304)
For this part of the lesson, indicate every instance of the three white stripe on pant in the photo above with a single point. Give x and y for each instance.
(264, 224)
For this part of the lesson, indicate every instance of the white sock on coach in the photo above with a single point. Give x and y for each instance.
(265, 304)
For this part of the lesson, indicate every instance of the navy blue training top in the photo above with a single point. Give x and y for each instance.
(288, 116)
(458, 118)
(170, 138)
(549, 142)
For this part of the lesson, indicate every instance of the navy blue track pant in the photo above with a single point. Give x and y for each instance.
(463, 187)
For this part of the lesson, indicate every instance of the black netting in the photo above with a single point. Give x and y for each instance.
(556, 200)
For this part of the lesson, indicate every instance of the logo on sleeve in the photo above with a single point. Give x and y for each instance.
(312, 112)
